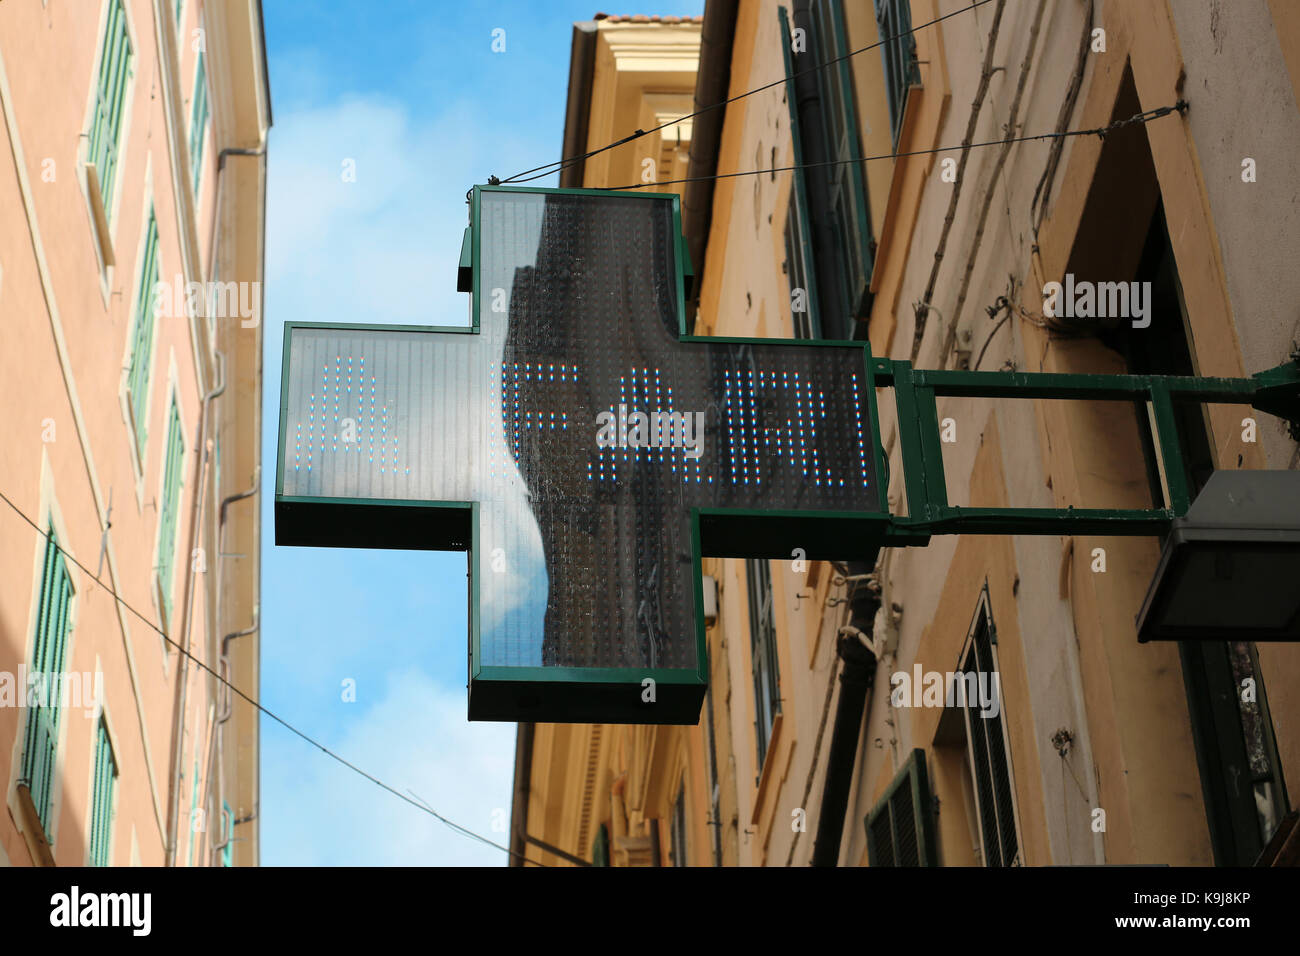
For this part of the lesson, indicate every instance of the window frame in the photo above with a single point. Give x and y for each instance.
(984, 616)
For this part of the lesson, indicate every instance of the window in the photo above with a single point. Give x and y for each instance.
(167, 513)
(848, 191)
(600, 847)
(198, 120)
(831, 186)
(677, 835)
(49, 650)
(986, 747)
(103, 791)
(798, 238)
(796, 268)
(900, 828)
(140, 360)
(762, 635)
(898, 49)
(228, 828)
(110, 102)
(194, 802)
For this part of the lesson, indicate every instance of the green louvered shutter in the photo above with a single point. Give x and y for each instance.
(898, 52)
(104, 790)
(600, 847)
(194, 802)
(199, 120)
(170, 505)
(49, 650)
(900, 828)
(848, 188)
(228, 828)
(140, 363)
(798, 238)
(110, 101)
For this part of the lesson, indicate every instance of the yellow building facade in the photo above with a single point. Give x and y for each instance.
(133, 192)
(819, 743)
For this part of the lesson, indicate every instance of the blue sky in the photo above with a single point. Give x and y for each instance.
(412, 97)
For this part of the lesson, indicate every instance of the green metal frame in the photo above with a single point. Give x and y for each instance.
(916, 390)
(614, 694)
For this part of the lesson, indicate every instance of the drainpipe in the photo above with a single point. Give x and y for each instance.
(182, 676)
(223, 715)
(858, 671)
(225, 712)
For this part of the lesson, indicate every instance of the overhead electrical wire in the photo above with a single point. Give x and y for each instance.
(537, 172)
(1143, 117)
(464, 831)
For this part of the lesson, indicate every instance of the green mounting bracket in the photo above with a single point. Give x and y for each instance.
(1275, 391)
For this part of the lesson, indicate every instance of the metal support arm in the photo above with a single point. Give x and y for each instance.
(1276, 391)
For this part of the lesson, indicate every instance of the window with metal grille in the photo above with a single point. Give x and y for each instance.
(140, 360)
(898, 51)
(103, 793)
(677, 835)
(49, 650)
(115, 70)
(198, 120)
(986, 747)
(762, 635)
(167, 514)
(900, 828)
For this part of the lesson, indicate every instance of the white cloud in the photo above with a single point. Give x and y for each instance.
(382, 249)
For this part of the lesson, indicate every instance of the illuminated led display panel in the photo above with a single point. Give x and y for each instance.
(583, 450)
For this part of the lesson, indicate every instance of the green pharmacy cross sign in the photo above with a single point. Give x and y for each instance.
(587, 453)
(583, 449)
